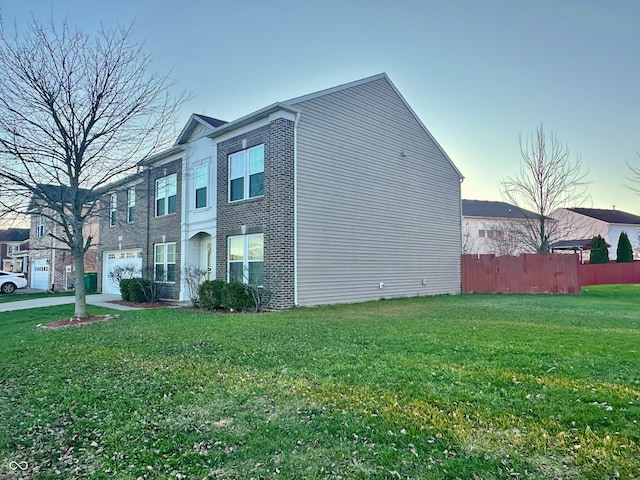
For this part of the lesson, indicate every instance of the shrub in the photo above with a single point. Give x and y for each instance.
(136, 290)
(210, 294)
(191, 276)
(624, 252)
(599, 251)
(236, 296)
(142, 290)
(124, 288)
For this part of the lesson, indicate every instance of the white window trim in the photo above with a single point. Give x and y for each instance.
(113, 209)
(166, 197)
(165, 262)
(131, 204)
(245, 255)
(246, 175)
(195, 186)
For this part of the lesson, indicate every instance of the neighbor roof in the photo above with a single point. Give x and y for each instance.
(62, 194)
(14, 235)
(580, 244)
(609, 216)
(489, 209)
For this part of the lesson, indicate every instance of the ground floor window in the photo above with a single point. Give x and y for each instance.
(165, 262)
(246, 258)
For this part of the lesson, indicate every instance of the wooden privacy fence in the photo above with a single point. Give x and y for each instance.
(526, 273)
(609, 273)
(535, 273)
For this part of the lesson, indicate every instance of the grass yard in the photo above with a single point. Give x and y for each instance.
(18, 296)
(469, 387)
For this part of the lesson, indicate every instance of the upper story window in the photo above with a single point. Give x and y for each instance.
(200, 181)
(131, 205)
(246, 258)
(166, 190)
(246, 174)
(113, 208)
(12, 249)
(40, 228)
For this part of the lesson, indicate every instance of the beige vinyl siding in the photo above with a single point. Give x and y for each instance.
(365, 213)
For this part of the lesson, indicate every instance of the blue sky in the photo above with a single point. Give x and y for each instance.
(479, 74)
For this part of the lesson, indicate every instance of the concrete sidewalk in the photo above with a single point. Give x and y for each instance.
(100, 299)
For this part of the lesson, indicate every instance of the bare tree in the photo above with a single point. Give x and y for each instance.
(75, 113)
(548, 180)
(506, 237)
(635, 178)
(469, 243)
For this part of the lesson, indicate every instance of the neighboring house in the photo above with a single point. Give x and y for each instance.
(494, 228)
(585, 223)
(338, 196)
(51, 263)
(13, 244)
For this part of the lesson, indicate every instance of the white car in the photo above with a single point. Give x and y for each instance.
(9, 281)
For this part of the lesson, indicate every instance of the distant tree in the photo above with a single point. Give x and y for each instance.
(505, 237)
(599, 250)
(75, 112)
(548, 179)
(624, 252)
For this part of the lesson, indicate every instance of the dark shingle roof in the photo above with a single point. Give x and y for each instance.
(488, 209)
(14, 235)
(609, 216)
(580, 244)
(61, 194)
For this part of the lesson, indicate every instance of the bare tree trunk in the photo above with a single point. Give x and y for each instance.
(81, 296)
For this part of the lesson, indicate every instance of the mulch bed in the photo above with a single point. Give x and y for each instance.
(143, 305)
(73, 322)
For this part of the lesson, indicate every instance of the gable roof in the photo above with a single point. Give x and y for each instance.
(489, 209)
(608, 216)
(194, 121)
(14, 235)
(373, 78)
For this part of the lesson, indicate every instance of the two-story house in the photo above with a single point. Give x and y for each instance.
(498, 228)
(51, 263)
(338, 196)
(585, 223)
(14, 243)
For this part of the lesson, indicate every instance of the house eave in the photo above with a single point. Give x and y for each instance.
(252, 118)
(161, 155)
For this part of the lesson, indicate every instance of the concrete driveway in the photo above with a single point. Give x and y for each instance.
(100, 299)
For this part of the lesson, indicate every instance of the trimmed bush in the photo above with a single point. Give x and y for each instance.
(599, 251)
(125, 285)
(139, 289)
(624, 252)
(210, 294)
(236, 296)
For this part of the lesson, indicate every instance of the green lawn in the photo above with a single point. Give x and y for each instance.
(19, 296)
(470, 387)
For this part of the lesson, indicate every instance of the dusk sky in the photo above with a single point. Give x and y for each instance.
(479, 74)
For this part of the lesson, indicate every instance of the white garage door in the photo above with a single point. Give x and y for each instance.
(119, 258)
(40, 274)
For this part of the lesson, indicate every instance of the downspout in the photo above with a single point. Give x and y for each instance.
(295, 210)
(461, 233)
(183, 224)
(52, 272)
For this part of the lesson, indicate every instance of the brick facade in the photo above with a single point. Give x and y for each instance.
(146, 230)
(60, 260)
(272, 214)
